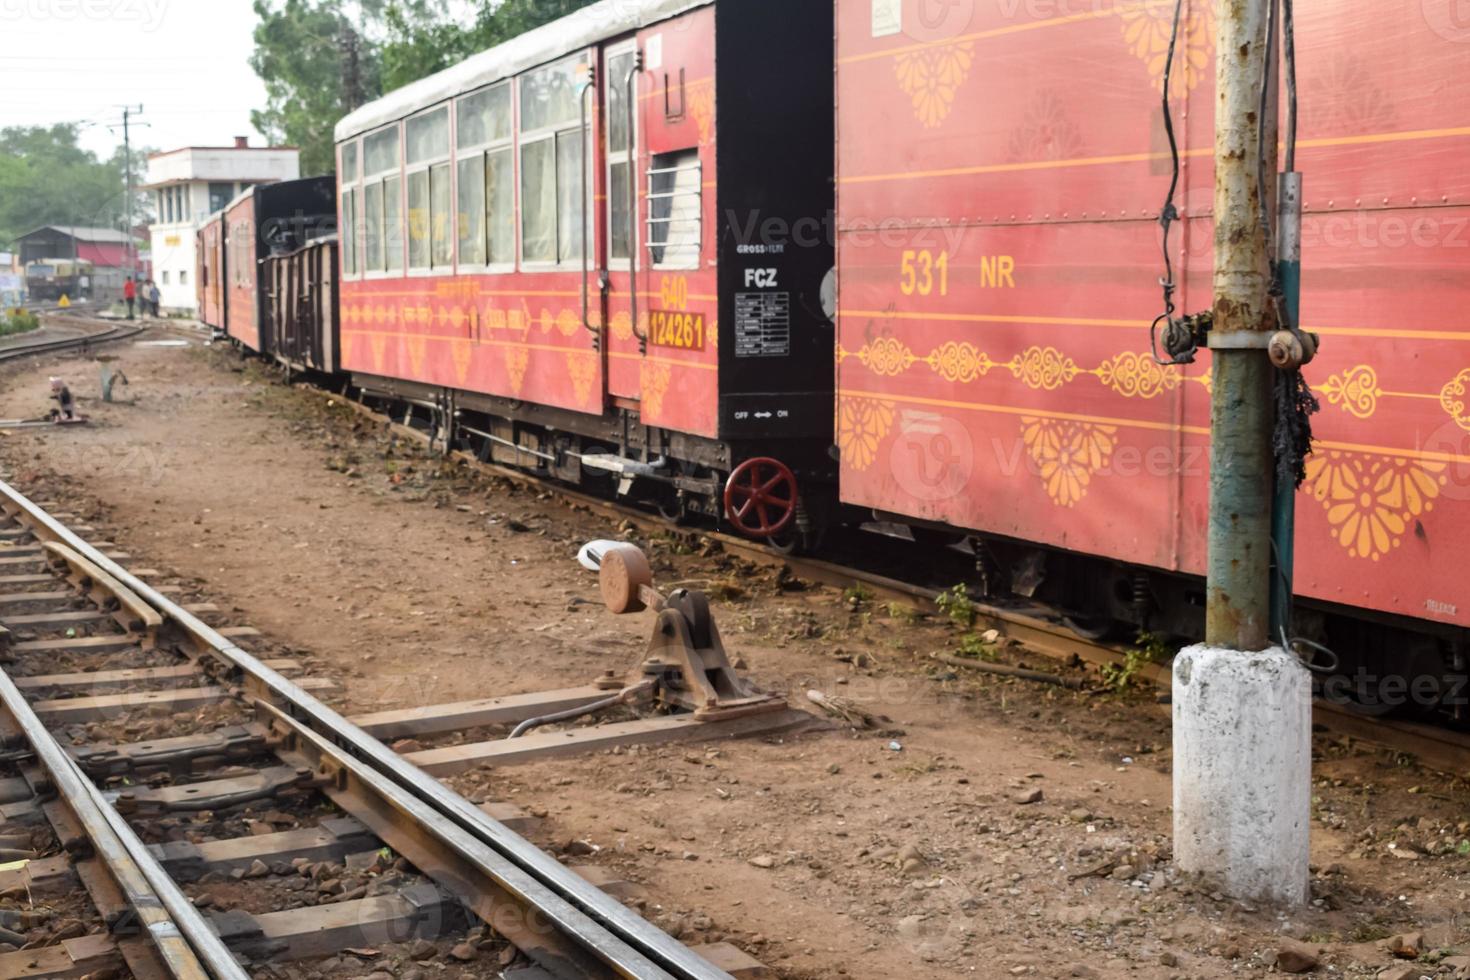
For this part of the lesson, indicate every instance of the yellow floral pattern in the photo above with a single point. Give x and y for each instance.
(862, 424)
(1135, 374)
(1044, 368)
(1452, 399)
(1355, 391)
(958, 362)
(582, 369)
(886, 356)
(1370, 500)
(1068, 454)
(463, 353)
(517, 360)
(932, 77)
(380, 349)
(654, 378)
(1146, 30)
(702, 108)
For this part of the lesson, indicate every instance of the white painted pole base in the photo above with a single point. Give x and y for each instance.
(1243, 772)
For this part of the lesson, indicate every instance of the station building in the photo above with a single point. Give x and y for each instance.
(190, 184)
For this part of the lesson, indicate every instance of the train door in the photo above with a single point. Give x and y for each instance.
(624, 314)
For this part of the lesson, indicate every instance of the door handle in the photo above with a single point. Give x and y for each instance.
(631, 98)
(587, 88)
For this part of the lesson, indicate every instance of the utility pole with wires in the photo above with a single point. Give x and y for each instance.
(130, 247)
(1242, 701)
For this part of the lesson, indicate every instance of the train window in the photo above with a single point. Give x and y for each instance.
(549, 96)
(348, 167)
(571, 227)
(538, 203)
(349, 231)
(430, 205)
(472, 210)
(619, 154)
(553, 155)
(441, 216)
(393, 224)
(373, 226)
(500, 203)
(675, 205)
(380, 152)
(418, 220)
(428, 137)
(486, 195)
(484, 117)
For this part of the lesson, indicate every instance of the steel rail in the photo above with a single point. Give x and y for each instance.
(616, 935)
(175, 927)
(110, 335)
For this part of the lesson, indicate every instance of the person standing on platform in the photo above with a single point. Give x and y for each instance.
(130, 295)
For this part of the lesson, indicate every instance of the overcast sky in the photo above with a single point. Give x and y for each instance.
(186, 61)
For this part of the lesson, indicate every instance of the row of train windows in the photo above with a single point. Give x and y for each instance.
(478, 210)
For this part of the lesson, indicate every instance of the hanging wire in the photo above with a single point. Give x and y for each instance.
(1169, 214)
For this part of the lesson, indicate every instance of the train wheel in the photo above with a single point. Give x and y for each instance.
(761, 498)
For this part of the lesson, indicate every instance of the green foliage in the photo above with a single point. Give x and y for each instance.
(971, 645)
(321, 59)
(46, 178)
(18, 321)
(317, 67)
(958, 606)
(1464, 849)
(1149, 649)
(857, 594)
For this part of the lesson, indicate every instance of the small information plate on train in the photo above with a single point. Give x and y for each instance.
(762, 324)
(681, 331)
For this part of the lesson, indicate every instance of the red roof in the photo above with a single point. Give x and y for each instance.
(103, 256)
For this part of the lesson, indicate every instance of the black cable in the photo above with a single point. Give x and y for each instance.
(1169, 213)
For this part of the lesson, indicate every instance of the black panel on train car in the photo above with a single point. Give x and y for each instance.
(287, 216)
(775, 113)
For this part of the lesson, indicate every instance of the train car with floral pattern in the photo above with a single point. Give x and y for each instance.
(1001, 168)
(583, 246)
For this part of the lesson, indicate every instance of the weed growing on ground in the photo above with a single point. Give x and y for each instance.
(1149, 649)
(857, 594)
(18, 321)
(958, 606)
(971, 645)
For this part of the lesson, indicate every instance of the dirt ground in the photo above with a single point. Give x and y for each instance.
(983, 827)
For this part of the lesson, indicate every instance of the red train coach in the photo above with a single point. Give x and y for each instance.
(1000, 172)
(209, 277)
(266, 218)
(587, 244)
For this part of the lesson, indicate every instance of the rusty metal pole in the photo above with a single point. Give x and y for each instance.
(1242, 414)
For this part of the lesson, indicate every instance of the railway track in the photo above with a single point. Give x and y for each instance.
(111, 333)
(221, 819)
(1037, 628)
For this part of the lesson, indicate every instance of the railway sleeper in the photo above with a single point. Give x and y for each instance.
(81, 957)
(212, 794)
(331, 840)
(179, 755)
(419, 911)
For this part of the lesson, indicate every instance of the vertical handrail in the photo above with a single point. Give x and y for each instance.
(631, 87)
(587, 147)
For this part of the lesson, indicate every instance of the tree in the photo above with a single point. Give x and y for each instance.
(46, 178)
(321, 59)
(317, 66)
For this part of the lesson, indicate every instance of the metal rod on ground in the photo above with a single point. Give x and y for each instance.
(1243, 712)
(1006, 670)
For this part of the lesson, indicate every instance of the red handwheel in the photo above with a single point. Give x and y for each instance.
(760, 497)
